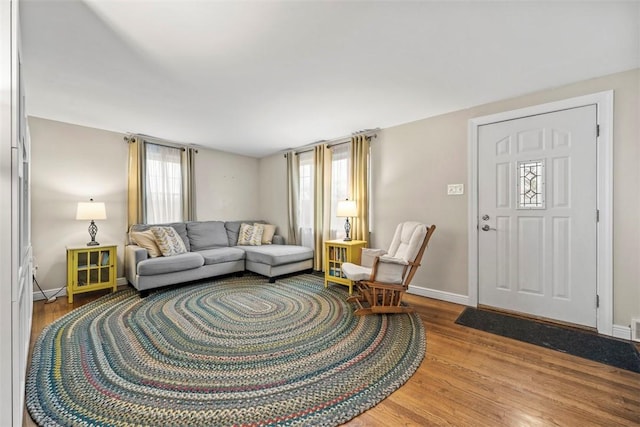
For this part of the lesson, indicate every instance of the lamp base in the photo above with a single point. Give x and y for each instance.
(347, 230)
(93, 230)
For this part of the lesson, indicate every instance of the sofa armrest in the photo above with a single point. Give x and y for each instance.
(133, 254)
(278, 240)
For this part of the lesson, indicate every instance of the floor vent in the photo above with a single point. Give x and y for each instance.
(635, 329)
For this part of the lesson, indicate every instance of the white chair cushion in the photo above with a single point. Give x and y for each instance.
(356, 272)
(407, 240)
(368, 256)
(390, 270)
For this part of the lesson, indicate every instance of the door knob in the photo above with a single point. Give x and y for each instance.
(487, 228)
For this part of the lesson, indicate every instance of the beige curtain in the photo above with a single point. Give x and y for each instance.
(322, 203)
(360, 186)
(136, 182)
(189, 184)
(293, 193)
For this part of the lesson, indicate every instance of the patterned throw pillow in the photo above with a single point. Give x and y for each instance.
(168, 240)
(267, 235)
(250, 235)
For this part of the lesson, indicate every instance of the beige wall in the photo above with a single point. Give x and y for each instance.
(413, 163)
(72, 163)
(226, 186)
(272, 189)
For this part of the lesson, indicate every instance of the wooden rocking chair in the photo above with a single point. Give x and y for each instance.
(382, 278)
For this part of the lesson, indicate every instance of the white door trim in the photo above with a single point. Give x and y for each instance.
(604, 103)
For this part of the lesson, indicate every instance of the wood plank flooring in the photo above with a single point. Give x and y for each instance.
(473, 378)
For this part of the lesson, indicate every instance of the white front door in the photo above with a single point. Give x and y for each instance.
(537, 220)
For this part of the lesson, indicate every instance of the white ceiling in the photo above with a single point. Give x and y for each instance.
(257, 77)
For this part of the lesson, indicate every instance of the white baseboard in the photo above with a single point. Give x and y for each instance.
(62, 292)
(50, 293)
(622, 332)
(440, 295)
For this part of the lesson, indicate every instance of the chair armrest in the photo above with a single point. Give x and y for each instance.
(369, 255)
(389, 270)
(393, 260)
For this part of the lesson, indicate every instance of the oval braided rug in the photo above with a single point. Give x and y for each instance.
(237, 351)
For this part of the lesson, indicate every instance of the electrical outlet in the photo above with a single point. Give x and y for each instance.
(455, 189)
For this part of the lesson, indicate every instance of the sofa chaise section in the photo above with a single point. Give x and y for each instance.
(276, 260)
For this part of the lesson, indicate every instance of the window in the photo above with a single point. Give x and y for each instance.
(163, 184)
(531, 184)
(340, 175)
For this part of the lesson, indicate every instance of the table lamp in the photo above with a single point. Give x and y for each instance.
(91, 211)
(347, 208)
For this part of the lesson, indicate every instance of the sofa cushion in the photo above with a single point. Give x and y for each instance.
(180, 227)
(218, 255)
(277, 254)
(162, 265)
(168, 241)
(233, 230)
(206, 235)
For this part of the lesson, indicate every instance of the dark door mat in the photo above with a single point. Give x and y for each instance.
(618, 353)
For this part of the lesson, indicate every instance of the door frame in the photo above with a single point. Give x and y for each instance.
(604, 190)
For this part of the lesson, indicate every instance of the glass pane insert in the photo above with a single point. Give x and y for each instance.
(531, 184)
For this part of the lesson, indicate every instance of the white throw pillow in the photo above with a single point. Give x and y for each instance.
(146, 239)
(267, 234)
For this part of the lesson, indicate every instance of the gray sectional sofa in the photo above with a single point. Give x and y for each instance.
(212, 250)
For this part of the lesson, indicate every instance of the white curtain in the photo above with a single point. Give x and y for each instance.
(340, 184)
(305, 199)
(163, 184)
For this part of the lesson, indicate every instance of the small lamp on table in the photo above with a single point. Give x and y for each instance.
(347, 209)
(91, 211)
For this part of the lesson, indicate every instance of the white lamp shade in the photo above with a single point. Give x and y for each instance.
(346, 208)
(91, 211)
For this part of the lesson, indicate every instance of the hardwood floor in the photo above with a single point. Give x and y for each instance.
(472, 378)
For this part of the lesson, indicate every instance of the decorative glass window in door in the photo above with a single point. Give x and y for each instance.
(531, 184)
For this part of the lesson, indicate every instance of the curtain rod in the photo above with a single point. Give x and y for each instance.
(369, 133)
(159, 141)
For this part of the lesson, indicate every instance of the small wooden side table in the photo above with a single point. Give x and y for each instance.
(337, 252)
(91, 268)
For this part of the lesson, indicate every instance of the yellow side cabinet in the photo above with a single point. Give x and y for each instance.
(90, 268)
(337, 252)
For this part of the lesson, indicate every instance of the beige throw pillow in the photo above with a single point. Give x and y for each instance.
(250, 235)
(168, 240)
(146, 239)
(267, 234)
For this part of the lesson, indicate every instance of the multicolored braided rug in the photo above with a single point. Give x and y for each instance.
(232, 352)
